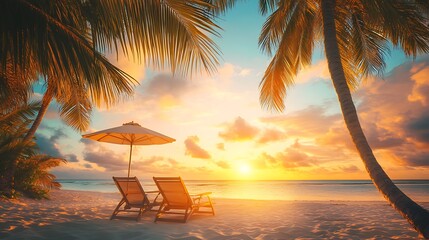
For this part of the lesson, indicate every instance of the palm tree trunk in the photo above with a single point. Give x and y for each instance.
(7, 187)
(47, 98)
(416, 215)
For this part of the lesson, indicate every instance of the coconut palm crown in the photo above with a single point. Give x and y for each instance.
(356, 36)
(64, 42)
(61, 44)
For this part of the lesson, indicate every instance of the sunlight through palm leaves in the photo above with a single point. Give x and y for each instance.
(356, 35)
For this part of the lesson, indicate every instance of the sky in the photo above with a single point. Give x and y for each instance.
(222, 132)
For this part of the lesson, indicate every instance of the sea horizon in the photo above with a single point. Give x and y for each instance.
(294, 190)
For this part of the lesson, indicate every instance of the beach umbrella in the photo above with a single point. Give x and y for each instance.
(129, 134)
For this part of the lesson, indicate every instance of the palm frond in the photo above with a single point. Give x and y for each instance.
(61, 48)
(19, 159)
(266, 6)
(15, 85)
(43, 178)
(173, 34)
(45, 162)
(75, 109)
(370, 47)
(12, 147)
(220, 6)
(274, 27)
(18, 117)
(33, 174)
(402, 23)
(294, 34)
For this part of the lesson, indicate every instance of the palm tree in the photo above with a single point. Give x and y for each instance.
(19, 159)
(13, 125)
(356, 34)
(33, 178)
(62, 40)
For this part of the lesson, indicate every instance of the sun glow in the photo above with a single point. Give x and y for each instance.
(245, 169)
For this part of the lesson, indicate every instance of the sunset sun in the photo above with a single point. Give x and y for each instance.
(245, 169)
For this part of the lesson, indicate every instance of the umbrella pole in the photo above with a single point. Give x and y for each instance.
(129, 163)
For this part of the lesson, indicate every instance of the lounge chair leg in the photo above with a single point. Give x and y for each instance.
(160, 209)
(211, 205)
(139, 215)
(115, 212)
(188, 214)
(185, 218)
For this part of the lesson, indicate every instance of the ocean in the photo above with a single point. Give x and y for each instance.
(303, 190)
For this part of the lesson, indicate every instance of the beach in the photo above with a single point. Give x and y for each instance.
(85, 215)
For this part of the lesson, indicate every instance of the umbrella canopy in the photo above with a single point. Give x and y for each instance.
(129, 134)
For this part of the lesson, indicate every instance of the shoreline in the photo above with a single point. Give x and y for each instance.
(72, 214)
(118, 196)
(273, 190)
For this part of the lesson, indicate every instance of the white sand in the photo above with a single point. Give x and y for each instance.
(85, 215)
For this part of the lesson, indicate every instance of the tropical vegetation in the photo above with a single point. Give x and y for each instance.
(62, 44)
(19, 160)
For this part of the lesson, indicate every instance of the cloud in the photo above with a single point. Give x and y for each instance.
(71, 157)
(226, 71)
(50, 145)
(290, 158)
(163, 84)
(420, 159)
(229, 70)
(128, 65)
(161, 92)
(223, 164)
(220, 146)
(309, 122)
(420, 90)
(87, 165)
(239, 130)
(57, 134)
(335, 136)
(46, 146)
(382, 138)
(103, 157)
(392, 112)
(195, 151)
(315, 71)
(165, 166)
(418, 127)
(106, 159)
(265, 160)
(377, 136)
(157, 165)
(349, 169)
(271, 135)
(244, 72)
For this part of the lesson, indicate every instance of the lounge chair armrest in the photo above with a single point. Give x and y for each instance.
(151, 191)
(201, 194)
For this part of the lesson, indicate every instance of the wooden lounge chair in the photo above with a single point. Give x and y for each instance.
(178, 203)
(133, 196)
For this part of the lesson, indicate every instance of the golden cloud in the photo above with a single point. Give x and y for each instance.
(239, 130)
(193, 150)
(271, 135)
